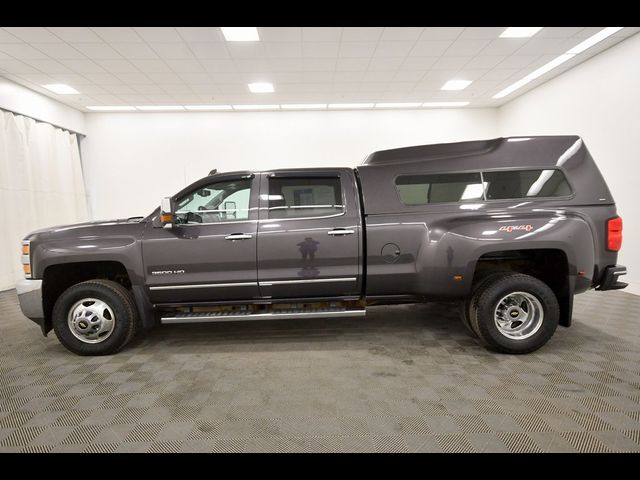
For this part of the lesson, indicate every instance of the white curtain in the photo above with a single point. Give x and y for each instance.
(41, 185)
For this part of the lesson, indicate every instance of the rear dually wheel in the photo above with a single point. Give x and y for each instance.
(514, 313)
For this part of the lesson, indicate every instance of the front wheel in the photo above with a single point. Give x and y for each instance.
(514, 313)
(96, 317)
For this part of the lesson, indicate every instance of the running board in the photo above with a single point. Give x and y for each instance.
(206, 317)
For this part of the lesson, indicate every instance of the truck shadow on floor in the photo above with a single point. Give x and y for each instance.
(433, 321)
(412, 329)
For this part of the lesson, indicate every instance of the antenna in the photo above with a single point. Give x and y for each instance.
(213, 172)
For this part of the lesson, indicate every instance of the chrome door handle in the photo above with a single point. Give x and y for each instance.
(238, 236)
(340, 231)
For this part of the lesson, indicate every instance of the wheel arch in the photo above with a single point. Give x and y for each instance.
(56, 278)
(551, 265)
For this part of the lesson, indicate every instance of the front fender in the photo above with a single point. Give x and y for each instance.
(124, 249)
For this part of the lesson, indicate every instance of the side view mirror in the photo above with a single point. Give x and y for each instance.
(167, 216)
(229, 209)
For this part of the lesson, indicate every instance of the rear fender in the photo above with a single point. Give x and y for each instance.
(448, 260)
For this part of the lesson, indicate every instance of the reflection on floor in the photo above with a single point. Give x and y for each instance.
(404, 379)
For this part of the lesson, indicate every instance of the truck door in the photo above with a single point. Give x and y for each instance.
(309, 234)
(211, 254)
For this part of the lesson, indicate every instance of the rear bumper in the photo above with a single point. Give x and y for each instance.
(30, 298)
(610, 278)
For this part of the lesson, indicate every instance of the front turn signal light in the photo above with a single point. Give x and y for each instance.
(26, 258)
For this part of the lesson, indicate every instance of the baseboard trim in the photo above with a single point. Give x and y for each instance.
(633, 288)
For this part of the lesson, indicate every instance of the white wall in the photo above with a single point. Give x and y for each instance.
(132, 160)
(19, 99)
(599, 100)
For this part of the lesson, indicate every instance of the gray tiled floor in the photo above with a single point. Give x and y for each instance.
(405, 379)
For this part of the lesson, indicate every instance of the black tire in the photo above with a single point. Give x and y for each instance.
(463, 312)
(486, 300)
(464, 306)
(118, 299)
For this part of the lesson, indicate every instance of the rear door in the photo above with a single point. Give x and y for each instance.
(309, 234)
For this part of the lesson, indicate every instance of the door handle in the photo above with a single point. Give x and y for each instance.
(340, 231)
(238, 236)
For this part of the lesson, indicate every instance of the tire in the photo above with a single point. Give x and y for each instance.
(463, 311)
(104, 323)
(464, 306)
(526, 308)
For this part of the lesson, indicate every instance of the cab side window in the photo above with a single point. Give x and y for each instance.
(304, 197)
(223, 201)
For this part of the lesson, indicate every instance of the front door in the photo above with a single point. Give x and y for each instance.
(210, 254)
(308, 235)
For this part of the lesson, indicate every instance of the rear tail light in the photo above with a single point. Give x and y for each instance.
(614, 234)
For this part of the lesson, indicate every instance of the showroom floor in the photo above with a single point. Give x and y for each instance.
(406, 379)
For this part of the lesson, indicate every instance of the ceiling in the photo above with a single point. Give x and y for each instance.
(196, 65)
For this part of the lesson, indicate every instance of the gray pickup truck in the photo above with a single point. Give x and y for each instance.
(509, 228)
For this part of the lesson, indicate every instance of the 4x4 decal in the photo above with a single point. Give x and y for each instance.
(511, 228)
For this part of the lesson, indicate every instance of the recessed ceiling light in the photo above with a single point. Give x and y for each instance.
(256, 107)
(520, 32)
(592, 40)
(456, 85)
(111, 108)
(444, 104)
(399, 105)
(350, 105)
(61, 89)
(304, 106)
(568, 55)
(208, 107)
(240, 34)
(261, 87)
(155, 108)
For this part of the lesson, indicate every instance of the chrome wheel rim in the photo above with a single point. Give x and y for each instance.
(91, 320)
(519, 315)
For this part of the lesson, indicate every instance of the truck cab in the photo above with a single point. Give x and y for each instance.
(308, 223)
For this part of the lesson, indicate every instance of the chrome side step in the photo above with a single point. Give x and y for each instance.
(205, 317)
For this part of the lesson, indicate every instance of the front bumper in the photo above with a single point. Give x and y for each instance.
(610, 278)
(30, 298)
